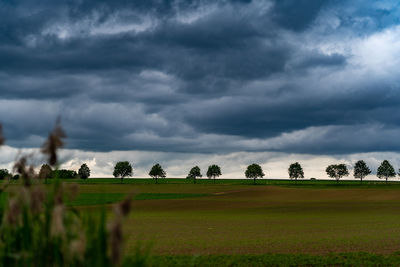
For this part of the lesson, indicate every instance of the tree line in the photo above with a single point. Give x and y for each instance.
(124, 169)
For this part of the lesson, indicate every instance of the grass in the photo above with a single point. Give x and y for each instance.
(277, 182)
(144, 196)
(90, 199)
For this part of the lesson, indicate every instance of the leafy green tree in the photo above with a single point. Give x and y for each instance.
(337, 171)
(157, 172)
(254, 171)
(45, 172)
(64, 174)
(84, 171)
(122, 169)
(385, 170)
(213, 171)
(295, 171)
(194, 173)
(4, 174)
(361, 170)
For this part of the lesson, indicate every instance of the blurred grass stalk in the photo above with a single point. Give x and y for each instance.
(37, 229)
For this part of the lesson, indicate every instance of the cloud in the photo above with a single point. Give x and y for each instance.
(312, 77)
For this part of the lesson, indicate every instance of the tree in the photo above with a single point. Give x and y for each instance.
(213, 171)
(361, 170)
(64, 174)
(84, 171)
(337, 171)
(386, 170)
(254, 171)
(194, 173)
(4, 174)
(122, 169)
(45, 172)
(295, 171)
(157, 172)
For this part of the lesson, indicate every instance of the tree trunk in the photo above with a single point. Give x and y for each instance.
(361, 180)
(194, 179)
(214, 179)
(156, 180)
(295, 179)
(254, 181)
(386, 179)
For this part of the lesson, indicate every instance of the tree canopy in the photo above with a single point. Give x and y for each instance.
(194, 173)
(295, 171)
(213, 171)
(84, 171)
(254, 171)
(361, 170)
(123, 169)
(157, 172)
(337, 171)
(385, 170)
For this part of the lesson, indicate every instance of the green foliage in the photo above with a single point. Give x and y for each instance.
(194, 173)
(84, 171)
(337, 171)
(254, 171)
(64, 174)
(123, 169)
(295, 171)
(4, 174)
(213, 171)
(157, 172)
(38, 229)
(385, 170)
(361, 170)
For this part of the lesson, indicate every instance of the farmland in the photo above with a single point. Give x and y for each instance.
(179, 219)
(232, 217)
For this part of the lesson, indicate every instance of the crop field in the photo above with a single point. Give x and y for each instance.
(180, 219)
(226, 218)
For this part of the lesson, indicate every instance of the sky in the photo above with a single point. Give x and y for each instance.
(187, 82)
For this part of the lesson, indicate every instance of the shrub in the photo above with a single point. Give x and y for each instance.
(3, 174)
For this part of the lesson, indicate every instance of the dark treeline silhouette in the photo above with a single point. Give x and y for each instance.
(124, 169)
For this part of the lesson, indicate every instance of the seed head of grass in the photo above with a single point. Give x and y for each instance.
(53, 143)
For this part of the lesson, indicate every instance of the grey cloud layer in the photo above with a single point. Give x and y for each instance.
(200, 76)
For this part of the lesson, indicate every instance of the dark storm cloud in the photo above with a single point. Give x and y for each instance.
(204, 76)
(297, 14)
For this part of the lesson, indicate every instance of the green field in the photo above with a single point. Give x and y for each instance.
(275, 221)
(230, 218)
